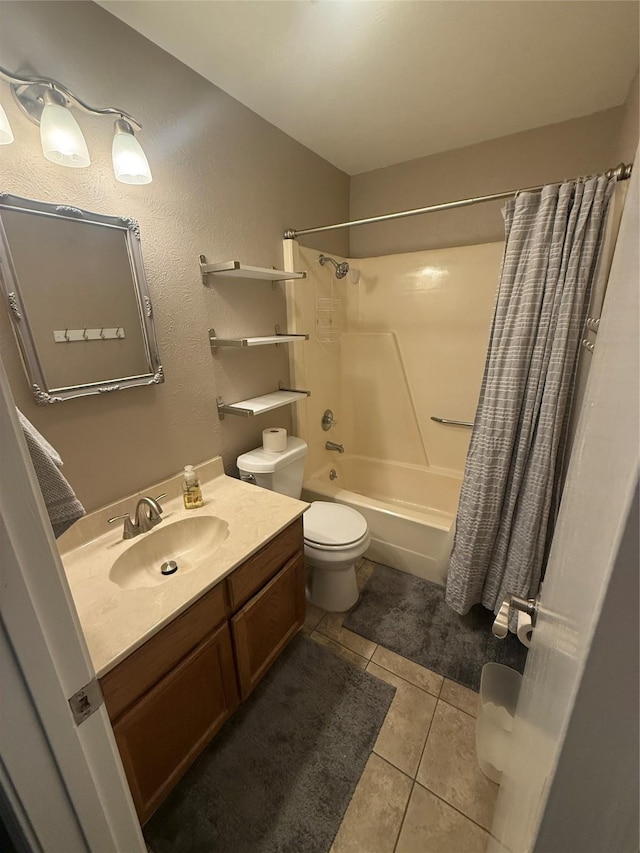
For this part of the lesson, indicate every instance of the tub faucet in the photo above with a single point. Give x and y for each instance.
(146, 516)
(331, 445)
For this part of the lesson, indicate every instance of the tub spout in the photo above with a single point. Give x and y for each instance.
(331, 445)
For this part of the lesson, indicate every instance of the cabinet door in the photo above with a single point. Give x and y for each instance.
(267, 622)
(139, 672)
(162, 734)
(255, 572)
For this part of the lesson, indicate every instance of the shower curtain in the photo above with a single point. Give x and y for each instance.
(504, 519)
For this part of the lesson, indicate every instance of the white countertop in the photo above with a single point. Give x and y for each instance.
(117, 621)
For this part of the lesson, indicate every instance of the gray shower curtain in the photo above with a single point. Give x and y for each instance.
(552, 245)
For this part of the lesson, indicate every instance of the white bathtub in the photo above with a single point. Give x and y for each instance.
(410, 510)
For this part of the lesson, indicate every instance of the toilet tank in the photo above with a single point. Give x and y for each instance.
(281, 472)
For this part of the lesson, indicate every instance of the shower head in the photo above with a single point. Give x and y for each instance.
(341, 269)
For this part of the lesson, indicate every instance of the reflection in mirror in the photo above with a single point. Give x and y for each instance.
(76, 291)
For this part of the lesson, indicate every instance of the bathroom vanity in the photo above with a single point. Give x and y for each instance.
(177, 681)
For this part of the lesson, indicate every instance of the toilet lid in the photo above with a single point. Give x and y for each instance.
(333, 524)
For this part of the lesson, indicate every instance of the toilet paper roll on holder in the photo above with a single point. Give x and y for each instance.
(529, 606)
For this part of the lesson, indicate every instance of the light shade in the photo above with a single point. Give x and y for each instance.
(130, 164)
(6, 134)
(61, 138)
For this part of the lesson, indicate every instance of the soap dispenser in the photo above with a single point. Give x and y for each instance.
(191, 491)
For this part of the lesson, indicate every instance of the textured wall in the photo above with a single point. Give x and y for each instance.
(629, 127)
(226, 183)
(552, 153)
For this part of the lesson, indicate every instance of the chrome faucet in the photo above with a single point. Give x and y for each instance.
(146, 516)
(331, 445)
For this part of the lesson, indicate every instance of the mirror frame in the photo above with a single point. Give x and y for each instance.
(10, 289)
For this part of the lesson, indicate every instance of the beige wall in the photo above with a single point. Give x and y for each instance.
(414, 333)
(629, 126)
(226, 183)
(552, 153)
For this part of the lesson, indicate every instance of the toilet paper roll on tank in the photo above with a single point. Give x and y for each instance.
(274, 439)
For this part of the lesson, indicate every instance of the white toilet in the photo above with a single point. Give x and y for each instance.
(335, 536)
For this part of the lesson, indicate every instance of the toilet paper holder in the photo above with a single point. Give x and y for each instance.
(529, 606)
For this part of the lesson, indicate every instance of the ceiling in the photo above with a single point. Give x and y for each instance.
(368, 84)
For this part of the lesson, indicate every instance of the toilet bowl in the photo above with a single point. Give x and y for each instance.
(335, 536)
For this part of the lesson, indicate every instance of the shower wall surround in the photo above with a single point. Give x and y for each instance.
(411, 339)
(226, 183)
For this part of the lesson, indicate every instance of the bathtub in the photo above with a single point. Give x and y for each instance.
(410, 509)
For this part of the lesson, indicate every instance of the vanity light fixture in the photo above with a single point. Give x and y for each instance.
(130, 164)
(60, 135)
(48, 104)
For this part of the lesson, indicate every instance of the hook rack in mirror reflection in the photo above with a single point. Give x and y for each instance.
(67, 336)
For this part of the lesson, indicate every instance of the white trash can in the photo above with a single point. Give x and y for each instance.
(499, 691)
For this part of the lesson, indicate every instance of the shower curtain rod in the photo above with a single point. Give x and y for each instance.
(621, 173)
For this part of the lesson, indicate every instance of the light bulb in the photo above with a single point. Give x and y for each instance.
(60, 135)
(130, 164)
(6, 134)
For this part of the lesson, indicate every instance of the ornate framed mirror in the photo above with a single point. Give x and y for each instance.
(75, 288)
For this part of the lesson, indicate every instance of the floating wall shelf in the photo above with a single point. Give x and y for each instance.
(259, 405)
(235, 269)
(278, 338)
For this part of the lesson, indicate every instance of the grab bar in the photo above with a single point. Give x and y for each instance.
(452, 423)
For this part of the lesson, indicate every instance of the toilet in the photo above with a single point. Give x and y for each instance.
(335, 536)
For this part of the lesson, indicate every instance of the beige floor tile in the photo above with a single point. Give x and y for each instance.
(313, 616)
(363, 574)
(331, 626)
(407, 669)
(460, 697)
(432, 826)
(340, 650)
(449, 767)
(374, 816)
(306, 631)
(404, 731)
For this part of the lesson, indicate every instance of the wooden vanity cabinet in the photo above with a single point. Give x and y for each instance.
(269, 620)
(167, 700)
(162, 734)
(268, 602)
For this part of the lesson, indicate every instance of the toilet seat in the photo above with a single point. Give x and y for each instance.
(330, 526)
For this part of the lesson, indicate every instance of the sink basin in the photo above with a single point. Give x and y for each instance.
(189, 542)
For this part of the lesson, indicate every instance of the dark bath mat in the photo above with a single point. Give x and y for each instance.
(409, 616)
(279, 775)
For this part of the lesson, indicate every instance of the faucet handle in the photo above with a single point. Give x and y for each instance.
(328, 420)
(128, 531)
(159, 498)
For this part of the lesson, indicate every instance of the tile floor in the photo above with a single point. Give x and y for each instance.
(421, 790)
